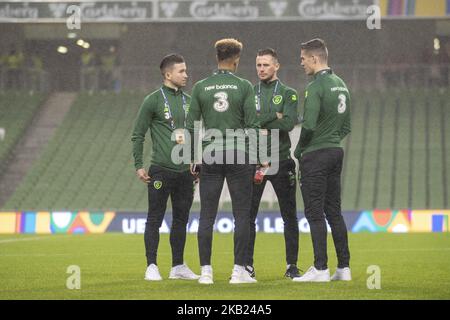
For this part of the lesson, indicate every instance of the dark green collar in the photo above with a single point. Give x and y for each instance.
(171, 90)
(323, 72)
(270, 83)
(222, 71)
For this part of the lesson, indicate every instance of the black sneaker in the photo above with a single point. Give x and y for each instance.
(251, 271)
(292, 272)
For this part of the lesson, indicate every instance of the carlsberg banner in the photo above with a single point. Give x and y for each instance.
(184, 10)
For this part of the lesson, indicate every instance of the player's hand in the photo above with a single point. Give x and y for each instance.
(143, 176)
(195, 170)
(265, 164)
(279, 115)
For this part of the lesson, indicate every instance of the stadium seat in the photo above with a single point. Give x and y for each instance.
(394, 157)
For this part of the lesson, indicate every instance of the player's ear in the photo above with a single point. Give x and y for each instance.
(236, 62)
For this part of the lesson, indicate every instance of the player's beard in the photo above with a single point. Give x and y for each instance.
(308, 71)
(179, 84)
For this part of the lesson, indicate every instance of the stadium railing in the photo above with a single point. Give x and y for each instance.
(24, 79)
(141, 78)
(357, 77)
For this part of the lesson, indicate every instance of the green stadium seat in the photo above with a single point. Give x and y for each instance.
(394, 157)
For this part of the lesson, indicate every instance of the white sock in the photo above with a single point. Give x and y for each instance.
(207, 268)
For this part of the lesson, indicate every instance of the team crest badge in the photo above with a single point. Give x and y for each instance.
(277, 99)
(157, 185)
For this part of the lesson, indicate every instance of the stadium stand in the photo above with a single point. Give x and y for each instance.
(87, 163)
(397, 156)
(16, 112)
(398, 153)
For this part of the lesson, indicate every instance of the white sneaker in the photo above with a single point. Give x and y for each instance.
(342, 274)
(182, 271)
(240, 275)
(152, 273)
(314, 275)
(206, 276)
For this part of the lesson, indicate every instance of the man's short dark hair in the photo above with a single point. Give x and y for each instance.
(316, 47)
(228, 49)
(169, 60)
(268, 52)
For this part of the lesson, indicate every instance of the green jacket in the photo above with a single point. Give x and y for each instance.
(223, 101)
(154, 114)
(326, 115)
(276, 97)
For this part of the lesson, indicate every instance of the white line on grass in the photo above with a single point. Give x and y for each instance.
(22, 239)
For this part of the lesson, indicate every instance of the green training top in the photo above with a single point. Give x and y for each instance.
(224, 101)
(326, 115)
(276, 97)
(162, 120)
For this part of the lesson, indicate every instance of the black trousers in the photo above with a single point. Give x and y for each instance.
(180, 187)
(240, 182)
(321, 190)
(284, 184)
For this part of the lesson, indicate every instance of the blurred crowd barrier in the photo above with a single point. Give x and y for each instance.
(28, 79)
(367, 77)
(145, 78)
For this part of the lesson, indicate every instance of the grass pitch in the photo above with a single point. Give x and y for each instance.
(413, 266)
